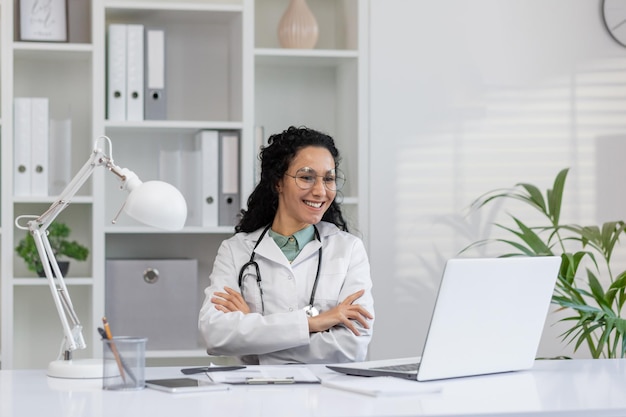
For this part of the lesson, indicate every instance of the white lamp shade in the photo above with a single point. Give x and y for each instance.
(157, 204)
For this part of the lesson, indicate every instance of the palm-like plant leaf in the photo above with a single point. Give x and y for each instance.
(534, 244)
(555, 196)
(615, 293)
(595, 313)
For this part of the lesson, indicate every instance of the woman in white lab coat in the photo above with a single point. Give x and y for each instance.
(292, 285)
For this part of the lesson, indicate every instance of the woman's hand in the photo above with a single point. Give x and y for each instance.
(345, 313)
(230, 301)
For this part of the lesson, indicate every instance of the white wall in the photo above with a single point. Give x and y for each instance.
(468, 96)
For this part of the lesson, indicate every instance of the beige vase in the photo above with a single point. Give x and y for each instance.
(298, 27)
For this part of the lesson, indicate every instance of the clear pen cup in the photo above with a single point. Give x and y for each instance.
(124, 363)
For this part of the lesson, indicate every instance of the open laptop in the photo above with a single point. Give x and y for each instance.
(488, 318)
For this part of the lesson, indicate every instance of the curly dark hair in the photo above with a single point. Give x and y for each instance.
(275, 159)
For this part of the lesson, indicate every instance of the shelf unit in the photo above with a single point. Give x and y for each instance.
(29, 333)
(224, 70)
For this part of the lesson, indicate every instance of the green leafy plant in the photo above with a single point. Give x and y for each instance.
(62, 247)
(586, 253)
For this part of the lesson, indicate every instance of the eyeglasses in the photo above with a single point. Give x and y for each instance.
(307, 177)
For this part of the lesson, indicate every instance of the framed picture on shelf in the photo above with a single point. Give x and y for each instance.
(43, 20)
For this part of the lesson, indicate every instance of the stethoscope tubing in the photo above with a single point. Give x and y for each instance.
(253, 263)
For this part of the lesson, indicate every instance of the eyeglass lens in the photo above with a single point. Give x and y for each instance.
(306, 178)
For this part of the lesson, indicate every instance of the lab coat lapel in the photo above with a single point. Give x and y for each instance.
(269, 249)
(310, 249)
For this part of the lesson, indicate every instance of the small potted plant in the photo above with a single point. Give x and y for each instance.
(62, 247)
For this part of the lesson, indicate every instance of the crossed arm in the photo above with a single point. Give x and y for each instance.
(344, 313)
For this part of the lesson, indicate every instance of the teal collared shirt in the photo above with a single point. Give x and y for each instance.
(292, 245)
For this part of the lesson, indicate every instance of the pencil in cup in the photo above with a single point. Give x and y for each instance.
(124, 361)
(109, 336)
(131, 353)
(118, 358)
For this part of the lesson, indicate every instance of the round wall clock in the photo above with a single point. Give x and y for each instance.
(614, 15)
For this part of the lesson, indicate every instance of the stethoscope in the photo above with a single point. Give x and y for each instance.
(310, 310)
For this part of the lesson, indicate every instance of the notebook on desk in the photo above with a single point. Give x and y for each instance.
(488, 318)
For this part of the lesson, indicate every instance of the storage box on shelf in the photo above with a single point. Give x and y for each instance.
(154, 298)
(200, 246)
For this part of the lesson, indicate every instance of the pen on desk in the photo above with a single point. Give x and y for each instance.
(116, 354)
(124, 364)
(190, 371)
(254, 380)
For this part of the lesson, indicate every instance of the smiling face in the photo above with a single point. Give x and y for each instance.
(298, 208)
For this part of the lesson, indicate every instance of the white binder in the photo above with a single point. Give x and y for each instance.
(59, 155)
(21, 146)
(155, 106)
(169, 166)
(190, 184)
(229, 199)
(116, 72)
(39, 137)
(207, 141)
(134, 72)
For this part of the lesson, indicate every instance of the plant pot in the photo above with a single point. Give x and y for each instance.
(64, 266)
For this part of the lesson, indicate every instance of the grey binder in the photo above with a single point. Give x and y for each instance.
(228, 188)
(155, 104)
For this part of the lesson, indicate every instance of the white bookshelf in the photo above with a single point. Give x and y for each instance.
(225, 70)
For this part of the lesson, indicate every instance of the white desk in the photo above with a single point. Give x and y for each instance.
(552, 388)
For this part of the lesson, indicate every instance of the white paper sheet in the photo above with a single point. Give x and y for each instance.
(381, 385)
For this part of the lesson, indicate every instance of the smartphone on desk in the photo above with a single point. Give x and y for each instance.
(185, 385)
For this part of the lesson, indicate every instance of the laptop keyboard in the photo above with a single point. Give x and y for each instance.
(405, 367)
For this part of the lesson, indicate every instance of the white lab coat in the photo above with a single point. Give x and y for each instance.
(282, 334)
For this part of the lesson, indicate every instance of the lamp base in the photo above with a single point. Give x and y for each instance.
(75, 369)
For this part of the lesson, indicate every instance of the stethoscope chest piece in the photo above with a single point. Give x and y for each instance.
(311, 311)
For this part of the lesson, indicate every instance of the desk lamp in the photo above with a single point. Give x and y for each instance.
(154, 203)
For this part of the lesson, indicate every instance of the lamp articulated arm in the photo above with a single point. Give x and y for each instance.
(169, 212)
(38, 226)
